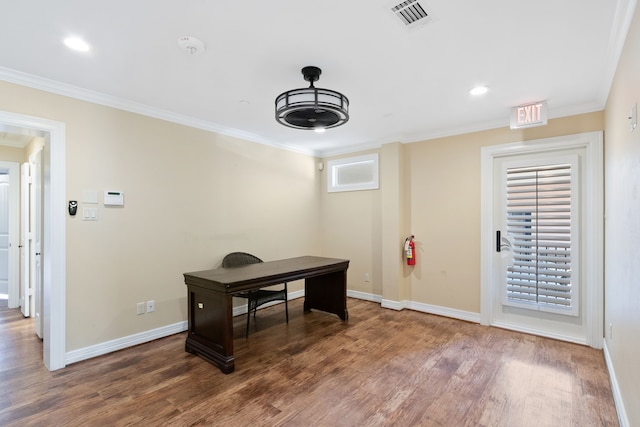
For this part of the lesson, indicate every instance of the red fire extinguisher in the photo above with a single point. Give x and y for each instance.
(410, 250)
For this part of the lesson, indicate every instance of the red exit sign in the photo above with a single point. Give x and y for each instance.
(525, 116)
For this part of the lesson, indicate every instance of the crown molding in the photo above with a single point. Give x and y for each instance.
(619, 30)
(71, 91)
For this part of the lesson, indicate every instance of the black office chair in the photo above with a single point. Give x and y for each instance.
(256, 297)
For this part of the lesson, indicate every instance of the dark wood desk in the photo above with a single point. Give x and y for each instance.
(210, 295)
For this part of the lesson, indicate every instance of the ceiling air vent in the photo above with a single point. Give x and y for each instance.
(411, 13)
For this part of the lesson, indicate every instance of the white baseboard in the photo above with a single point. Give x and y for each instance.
(540, 333)
(418, 306)
(444, 311)
(154, 334)
(615, 388)
(364, 296)
(146, 336)
(393, 305)
(124, 342)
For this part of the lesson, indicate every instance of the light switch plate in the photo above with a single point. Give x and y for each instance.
(89, 214)
(90, 196)
(633, 118)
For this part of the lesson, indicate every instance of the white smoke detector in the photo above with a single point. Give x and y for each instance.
(191, 45)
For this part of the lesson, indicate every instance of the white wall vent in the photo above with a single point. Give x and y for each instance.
(411, 13)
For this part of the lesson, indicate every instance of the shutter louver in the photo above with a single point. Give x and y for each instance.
(539, 224)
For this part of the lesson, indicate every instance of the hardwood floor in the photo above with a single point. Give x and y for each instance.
(380, 368)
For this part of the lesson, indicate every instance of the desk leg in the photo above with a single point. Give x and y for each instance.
(210, 334)
(327, 293)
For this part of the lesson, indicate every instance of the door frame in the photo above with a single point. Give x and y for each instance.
(53, 233)
(25, 238)
(592, 143)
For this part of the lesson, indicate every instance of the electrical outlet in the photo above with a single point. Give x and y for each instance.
(151, 306)
(140, 308)
(366, 277)
(610, 331)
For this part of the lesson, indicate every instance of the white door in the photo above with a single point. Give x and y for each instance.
(4, 234)
(26, 291)
(537, 220)
(36, 255)
(542, 238)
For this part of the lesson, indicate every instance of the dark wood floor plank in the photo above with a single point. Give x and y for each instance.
(380, 368)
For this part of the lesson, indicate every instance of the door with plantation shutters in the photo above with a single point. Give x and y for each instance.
(541, 223)
(542, 237)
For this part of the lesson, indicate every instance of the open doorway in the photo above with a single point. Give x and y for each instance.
(53, 229)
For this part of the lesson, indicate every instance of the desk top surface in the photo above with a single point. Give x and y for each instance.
(263, 273)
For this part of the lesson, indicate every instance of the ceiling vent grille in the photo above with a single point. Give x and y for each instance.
(411, 13)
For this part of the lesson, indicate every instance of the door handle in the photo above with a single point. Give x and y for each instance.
(498, 241)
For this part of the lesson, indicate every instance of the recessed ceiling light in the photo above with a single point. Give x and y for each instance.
(76, 44)
(479, 90)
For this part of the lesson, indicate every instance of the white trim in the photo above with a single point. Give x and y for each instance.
(444, 311)
(52, 86)
(417, 306)
(165, 331)
(619, 30)
(54, 234)
(539, 332)
(124, 342)
(76, 92)
(334, 166)
(393, 305)
(592, 142)
(623, 418)
(364, 296)
(594, 240)
(150, 335)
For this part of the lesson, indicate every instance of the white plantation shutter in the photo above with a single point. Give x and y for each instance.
(540, 228)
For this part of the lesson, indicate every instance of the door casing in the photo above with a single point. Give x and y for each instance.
(592, 143)
(54, 232)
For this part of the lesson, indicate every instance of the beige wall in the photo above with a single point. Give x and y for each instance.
(12, 154)
(445, 208)
(622, 226)
(350, 224)
(190, 197)
(439, 193)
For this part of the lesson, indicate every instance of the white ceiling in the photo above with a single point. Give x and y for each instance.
(403, 85)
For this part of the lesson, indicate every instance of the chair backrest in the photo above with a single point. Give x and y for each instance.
(236, 259)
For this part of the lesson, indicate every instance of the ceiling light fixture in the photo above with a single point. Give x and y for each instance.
(479, 90)
(76, 44)
(312, 108)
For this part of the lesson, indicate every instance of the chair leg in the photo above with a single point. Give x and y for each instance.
(286, 308)
(248, 318)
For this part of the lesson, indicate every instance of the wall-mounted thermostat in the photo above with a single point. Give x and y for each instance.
(113, 198)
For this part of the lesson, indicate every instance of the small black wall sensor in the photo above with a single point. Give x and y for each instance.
(73, 207)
